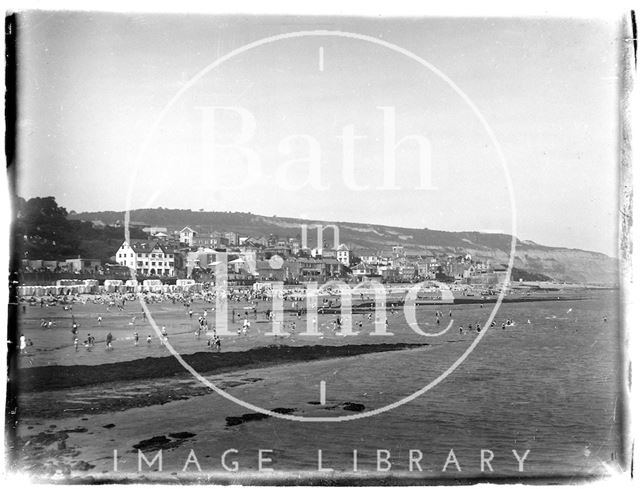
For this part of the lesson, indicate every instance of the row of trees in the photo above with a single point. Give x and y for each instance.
(42, 231)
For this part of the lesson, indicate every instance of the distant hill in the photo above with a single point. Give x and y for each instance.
(564, 264)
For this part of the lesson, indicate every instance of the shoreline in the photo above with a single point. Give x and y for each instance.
(59, 377)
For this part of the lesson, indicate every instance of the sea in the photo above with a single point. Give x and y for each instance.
(542, 398)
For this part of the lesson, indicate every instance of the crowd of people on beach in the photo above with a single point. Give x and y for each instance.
(248, 302)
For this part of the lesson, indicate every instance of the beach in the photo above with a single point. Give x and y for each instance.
(522, 388)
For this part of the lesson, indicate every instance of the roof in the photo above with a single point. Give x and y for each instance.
(342, 247)
(187, 228)
(147, 245)
(365, 252)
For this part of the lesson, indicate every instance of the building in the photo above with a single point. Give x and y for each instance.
(82, 265)
(186, 235)
(147, 257)
(344, 255)
(98, 224)
(369, 257)
(359, 271)
(211, 240)
(153, 230)
(232, 238)
(265, 272)
(294, 243)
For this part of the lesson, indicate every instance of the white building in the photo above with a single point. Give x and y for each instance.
(343, 255)
(153, 230)
(186, 235)
(147, 258)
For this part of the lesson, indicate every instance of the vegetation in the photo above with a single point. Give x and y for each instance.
(44, 232)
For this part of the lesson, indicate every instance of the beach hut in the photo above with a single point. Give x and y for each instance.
(131, 285)
(112, 285)
(184, 284)
(152, 285)
(90, 286)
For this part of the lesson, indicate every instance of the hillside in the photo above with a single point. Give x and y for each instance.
(563, 264)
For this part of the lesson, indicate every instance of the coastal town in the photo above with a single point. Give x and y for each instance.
(313, 254)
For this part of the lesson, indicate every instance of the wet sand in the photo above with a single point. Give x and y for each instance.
(57, 377)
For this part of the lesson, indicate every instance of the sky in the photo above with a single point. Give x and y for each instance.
(124, 111)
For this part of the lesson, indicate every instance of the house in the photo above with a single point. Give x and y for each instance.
(370, 257)
(279, 249)
(82, 265)
(407, 273)
(304, 269)
(265, 272)
(251, 245)
(332, 268)
(323, 253)
(360, 271)
(294, 243)
(153, 230)
(186, 235)
(213, 240)
(147, 257)
(344, 255)
(232, 238)
(205, 258)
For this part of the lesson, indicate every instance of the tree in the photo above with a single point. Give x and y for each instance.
(45, 231)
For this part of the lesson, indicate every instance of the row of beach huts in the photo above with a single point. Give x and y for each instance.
(90, 286)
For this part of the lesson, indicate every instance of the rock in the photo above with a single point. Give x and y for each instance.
(182, 435)
(82, 465)
(283, 410)
(153, 443)
(237, 420)
(353, 406)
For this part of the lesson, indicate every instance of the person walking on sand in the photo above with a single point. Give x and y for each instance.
(23, 344)
(109, 340)
(99, 320)
(75, 343)
(135, 338)
(165, 335)
(148, 340)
